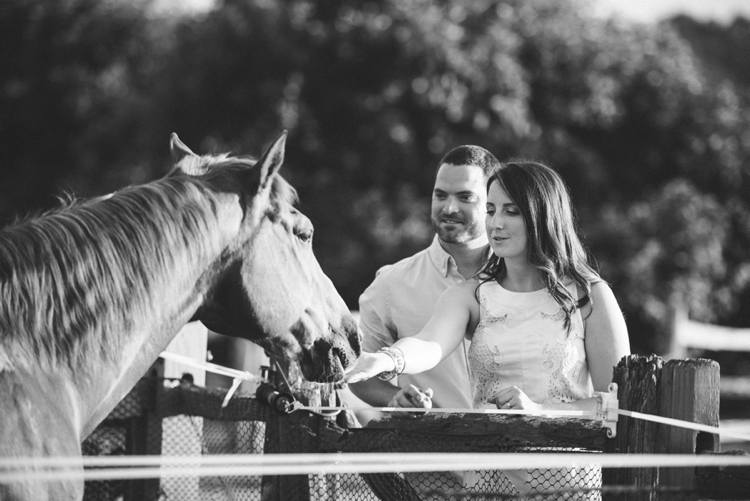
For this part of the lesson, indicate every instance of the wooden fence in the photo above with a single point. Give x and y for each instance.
(685, 389)
(689, 338)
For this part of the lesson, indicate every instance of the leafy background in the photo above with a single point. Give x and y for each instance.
(649, 124)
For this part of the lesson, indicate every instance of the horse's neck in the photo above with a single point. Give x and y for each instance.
(175, 296)
(145, 344)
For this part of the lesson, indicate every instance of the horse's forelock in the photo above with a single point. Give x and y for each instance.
(284, 192)
(74, 279)
(281, 190)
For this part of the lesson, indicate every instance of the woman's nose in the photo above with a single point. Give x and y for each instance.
(497, 221)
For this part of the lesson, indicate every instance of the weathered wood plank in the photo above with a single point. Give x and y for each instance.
(465, 433)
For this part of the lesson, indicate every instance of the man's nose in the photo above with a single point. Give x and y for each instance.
(451, 206)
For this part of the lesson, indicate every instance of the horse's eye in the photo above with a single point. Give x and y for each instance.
(304, 234)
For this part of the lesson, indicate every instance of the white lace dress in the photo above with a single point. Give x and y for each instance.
(521, 340)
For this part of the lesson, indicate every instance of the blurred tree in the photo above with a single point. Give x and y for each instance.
(672, 249)
(653, 140)
(722, 49)
(373, 94)
(64, 69)
(626, 111)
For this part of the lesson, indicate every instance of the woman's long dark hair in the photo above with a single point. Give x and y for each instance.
(554, 247)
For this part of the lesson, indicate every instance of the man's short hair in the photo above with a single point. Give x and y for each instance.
(470, 154)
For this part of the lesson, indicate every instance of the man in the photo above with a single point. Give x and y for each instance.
(400, 300)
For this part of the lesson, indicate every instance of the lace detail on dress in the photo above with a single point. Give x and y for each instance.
(559, 316)
(564, 360)
(486, 318)
(485, 361)
(489, 320)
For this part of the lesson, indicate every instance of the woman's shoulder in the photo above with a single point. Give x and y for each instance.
(595, 286)
(600, 297)
(600, 290)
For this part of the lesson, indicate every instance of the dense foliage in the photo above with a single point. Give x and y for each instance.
(651, 131)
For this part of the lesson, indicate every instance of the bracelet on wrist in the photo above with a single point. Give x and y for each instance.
(398, 361)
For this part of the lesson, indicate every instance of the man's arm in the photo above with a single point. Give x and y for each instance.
(374, 321)
(374, 391)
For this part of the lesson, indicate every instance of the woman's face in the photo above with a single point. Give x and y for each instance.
(506, 229)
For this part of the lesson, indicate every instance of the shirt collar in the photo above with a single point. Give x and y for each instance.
(442, 259)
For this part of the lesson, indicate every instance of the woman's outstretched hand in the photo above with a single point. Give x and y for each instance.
(369, 365)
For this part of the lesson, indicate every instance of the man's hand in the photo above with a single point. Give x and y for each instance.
(411, 397)
(369, 365)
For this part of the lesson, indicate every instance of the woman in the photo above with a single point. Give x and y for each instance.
(546, 330)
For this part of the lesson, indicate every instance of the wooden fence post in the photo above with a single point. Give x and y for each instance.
(282, 436)
(688, 391)
(636, 377)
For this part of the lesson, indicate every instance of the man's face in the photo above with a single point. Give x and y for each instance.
(458, 203)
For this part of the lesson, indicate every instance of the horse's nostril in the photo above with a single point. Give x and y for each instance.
(341, 355)
(355, 341)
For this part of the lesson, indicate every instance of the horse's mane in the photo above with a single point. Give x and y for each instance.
(72, 280)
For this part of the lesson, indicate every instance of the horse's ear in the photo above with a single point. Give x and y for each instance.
(270, 162)
(178, 149)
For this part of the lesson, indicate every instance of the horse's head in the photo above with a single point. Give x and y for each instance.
(269, 288)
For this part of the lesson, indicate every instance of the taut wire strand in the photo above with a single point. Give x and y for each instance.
(327, 463)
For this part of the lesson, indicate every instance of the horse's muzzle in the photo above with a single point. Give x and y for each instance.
(328, 358)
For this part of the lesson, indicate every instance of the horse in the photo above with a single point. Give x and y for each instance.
(94, 291)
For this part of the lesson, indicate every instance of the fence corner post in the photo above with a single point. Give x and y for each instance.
(688, 391)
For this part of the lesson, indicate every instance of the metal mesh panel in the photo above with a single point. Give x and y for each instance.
(239, 437)
(193, 435)
(106, 440)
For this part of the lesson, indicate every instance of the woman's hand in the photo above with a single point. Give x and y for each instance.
(411, 397)
(513, 397)
(369, 365)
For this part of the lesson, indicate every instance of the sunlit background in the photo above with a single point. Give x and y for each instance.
(650, 11)
(641, 105)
